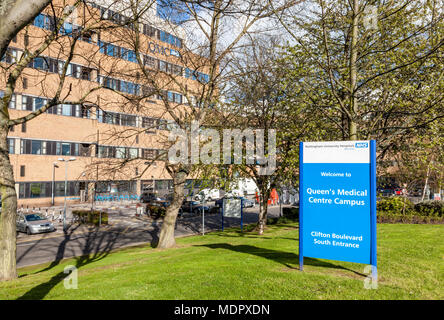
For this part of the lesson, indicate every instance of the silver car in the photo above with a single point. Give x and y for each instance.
(33, 223)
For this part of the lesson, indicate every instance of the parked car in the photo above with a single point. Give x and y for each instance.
(153, 199)
(207, 195)
(194, 207)
(32, 223)
(247, 203)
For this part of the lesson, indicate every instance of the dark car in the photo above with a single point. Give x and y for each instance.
(194, 207)
(153, 199)
(247, 203)
(148, 197)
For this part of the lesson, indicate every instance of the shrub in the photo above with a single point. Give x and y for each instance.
(91, 217)
(402, 218)
(290, 213)
(432, 208)
(156, 212)
(395, 205)
(214, 210)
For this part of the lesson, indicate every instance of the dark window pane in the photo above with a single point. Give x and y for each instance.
(36, 147)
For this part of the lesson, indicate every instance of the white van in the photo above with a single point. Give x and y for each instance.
(207, 195)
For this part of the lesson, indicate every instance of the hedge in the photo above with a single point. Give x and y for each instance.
(291, 213)
(411, 218)
(395, 205)
(390, 210)
(91, 217)
(431, 208)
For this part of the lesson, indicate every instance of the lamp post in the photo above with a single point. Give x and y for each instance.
(54, 165)
(66, 187)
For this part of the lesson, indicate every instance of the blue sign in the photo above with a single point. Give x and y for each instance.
(338, 201)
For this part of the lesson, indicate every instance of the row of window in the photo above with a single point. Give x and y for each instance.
(31, 103)
(44, 189)
(153, 154)
(56, 66)
(163, 66)
(28, 146)
(117, 118)
(196, 75)
(148, 30)
(40, 147)
(130, 153)
(45, 22)
(49, 64)
(49, 23)
(119, 85)
(118, 152)
(137, 89)
(115, 51)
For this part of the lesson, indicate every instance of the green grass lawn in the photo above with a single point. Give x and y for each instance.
(231, 265)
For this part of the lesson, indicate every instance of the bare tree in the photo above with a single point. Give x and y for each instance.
(198, 73)
(50, 44)
(253, 103)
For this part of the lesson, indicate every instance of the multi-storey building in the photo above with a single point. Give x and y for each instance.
(83, 130)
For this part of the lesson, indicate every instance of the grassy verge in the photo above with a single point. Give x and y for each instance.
(232, 265)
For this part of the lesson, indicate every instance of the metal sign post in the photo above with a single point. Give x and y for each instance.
(203, 218)
(222, 214)
(241, 217)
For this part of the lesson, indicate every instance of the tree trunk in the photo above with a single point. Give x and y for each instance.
(9, 210)
(262, 222)
(426, 181)
(166, 237)
(14, 16)
(353, 129)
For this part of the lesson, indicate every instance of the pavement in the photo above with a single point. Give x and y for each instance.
(124, 229)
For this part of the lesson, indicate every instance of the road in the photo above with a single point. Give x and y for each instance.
(125, 230)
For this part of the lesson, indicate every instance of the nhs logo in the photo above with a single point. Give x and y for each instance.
(361, 145)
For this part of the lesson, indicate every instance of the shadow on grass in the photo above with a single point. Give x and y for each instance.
(288, 259)
(94, 246)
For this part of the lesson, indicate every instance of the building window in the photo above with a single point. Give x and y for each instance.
(22, 171)
(11, 145)
(149, 124)
(149, 154)
(36, 147)
(85, 73)
(66, 110)
(66, 149)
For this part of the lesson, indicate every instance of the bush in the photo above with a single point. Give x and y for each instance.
(214, 210)
(156, 212)
(412, 219)
(91, 217)
(291, 213)
(395, 205)
(432, 208)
